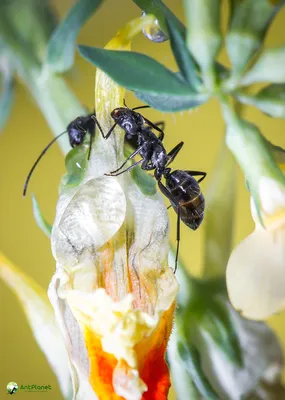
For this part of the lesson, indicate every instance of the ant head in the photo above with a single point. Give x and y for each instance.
(129, 120)
(117, 113)
(76, 136)
(78, 123)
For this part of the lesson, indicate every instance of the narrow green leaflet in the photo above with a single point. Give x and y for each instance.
(135, 71)
(249, 22)
(268, 68)
(61, 46)
(159, 10)
(6, 96)
(184, 386)
(270, 100)
(40, 219)
(182, 55)
(191, 360)
(219, 325)
(204, 37)
(252, 152)
(25, 27)
(172, 103)
(145, 182)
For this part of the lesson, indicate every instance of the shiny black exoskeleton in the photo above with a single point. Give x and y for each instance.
(130, 121)
(76, 130)
(185, 195)
(182, 190)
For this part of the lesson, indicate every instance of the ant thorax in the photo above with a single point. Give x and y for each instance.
(131, 124)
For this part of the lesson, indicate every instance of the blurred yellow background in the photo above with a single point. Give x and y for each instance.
(26, 134)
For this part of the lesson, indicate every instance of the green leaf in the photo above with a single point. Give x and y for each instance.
(270, 100)
(219, 325)
(249, 22)
(135, 71)
(184, 386)
(269, 67)
(145, 182)
(177, 34)
(252, 152)
(183, 57)
(159, 10)
(172, 103)
(61, 46)
(40, 219)
(191, 360)
(25, 27)
(7, 95)
(76, 164)
(204, 37)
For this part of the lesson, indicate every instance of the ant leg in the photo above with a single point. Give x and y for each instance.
(148, 122)
(162, 124)
(198, 173)
(98, 124)
(111, 130)
(90, 145)
(125, 170)
(169, 195)
(128, 158)
(147, 165)
(173, 153)
(101, 130)
(177, 238)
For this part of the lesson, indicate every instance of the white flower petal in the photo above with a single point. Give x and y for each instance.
(256, 274)
(272, 195)
(119, 325)
(41, 318)
(127, 383)
(73, 338)
(87, 219)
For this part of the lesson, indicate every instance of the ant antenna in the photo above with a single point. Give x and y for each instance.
(135, 108)
(38, 160)
(90, 146)
(139, 107)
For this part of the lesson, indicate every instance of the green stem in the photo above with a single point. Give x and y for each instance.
(58, 104)
(219, 218)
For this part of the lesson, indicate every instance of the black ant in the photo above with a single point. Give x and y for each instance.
(77, 130)
(131, 122)
(180, 187)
